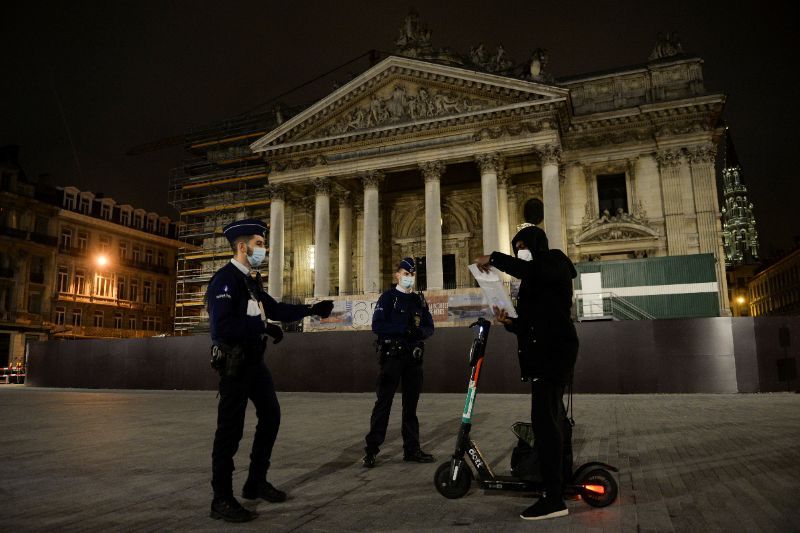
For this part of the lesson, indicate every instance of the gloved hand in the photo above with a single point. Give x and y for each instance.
(322, 309)
(275, 331)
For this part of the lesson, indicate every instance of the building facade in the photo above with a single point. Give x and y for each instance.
(442, 157)
(114, 275)
(74, 264)
(775, 291)
(27, 258)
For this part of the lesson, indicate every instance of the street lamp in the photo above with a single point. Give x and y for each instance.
(101, 260)
(741, 300)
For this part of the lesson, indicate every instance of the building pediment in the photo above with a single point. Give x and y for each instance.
(401, 94)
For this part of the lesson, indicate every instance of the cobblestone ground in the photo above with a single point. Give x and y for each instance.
(77, 460)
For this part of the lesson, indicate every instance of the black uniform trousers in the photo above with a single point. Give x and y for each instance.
(395, 370)
(547, 417)
(255, 382)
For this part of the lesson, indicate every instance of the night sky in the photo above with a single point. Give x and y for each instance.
(105, 77)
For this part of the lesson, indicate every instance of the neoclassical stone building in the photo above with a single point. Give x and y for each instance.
(424, 155)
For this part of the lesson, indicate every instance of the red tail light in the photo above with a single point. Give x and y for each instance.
(599, 489)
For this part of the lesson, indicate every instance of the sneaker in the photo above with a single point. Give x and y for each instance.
(368, 460)
(418, 457)
(545, 508)
(230, 510)
(263, 490)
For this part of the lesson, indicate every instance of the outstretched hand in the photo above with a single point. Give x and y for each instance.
(502, 316)
(322, 309)
(482, 263)
(275, 331)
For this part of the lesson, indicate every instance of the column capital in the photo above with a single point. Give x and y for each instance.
(550, 154)
(503, 179)
(345, 198)
(488, 162)
(322, 186)
(669, 158)
(372, 178)
(705, 153)
(276, 192)
(432, 170)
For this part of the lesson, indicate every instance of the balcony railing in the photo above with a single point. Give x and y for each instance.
(41, 238)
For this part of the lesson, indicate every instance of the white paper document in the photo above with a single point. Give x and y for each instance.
(493, 289)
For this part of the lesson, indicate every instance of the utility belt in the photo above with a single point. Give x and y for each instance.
(396, 348)
(227, 360)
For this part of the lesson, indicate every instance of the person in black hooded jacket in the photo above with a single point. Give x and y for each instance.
(548, 348)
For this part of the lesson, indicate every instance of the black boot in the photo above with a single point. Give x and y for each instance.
(418, 457)
(262, 489)
(230, 510)
(368, 460)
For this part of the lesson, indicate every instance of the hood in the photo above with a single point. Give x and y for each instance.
(533, 237)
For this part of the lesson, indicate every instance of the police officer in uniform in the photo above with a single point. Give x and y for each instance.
(402, 322)
(238, 309)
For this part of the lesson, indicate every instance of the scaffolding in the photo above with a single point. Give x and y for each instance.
(221, 181)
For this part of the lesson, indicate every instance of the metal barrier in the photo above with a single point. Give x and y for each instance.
(607, 306)
(13, 374)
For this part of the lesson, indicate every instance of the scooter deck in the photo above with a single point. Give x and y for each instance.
(509, 483)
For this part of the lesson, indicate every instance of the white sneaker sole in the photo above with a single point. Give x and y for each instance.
(554, 514)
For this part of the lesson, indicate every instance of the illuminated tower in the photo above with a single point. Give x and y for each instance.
(738, 222)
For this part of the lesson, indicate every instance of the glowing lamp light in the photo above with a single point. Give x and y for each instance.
(102, 260)
(740, 300)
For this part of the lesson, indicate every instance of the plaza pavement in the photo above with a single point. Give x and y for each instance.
(121, 460)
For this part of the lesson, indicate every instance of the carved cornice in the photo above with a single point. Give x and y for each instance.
(488, 162)
(432, 170)
(549, 154)
(372, 178)
(276, 192)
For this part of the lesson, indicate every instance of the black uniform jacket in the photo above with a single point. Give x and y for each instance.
(546, 336)
(227, 296)
(394, 312)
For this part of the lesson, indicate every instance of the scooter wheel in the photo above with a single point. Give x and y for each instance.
(598, 487)
(447, 487)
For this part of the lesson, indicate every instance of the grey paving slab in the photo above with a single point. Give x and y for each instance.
(89, 460)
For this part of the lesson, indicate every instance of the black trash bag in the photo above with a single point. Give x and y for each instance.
(525, 460)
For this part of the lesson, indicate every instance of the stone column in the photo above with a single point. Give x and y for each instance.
(551, 196)
(276, 222)
(502, 211)
(322, 238)
(345, 243)
(432, 172)
(709, 230)
(371, 282)
(513, 210)
(488, 164)
(669, 162)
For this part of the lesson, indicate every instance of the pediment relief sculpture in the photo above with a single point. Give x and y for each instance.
(404, 104)
(619, 226)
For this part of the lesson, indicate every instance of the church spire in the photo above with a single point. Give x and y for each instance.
(738, 221)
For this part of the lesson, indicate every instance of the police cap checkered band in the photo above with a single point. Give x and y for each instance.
(246, 227)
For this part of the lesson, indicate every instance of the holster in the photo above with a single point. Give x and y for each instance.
(389, 348)
(227, 360)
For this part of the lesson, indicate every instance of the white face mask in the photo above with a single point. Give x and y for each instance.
(525, 255)
(406, 282)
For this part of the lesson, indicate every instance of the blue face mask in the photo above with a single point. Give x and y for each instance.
(259, 253)
(406, 282)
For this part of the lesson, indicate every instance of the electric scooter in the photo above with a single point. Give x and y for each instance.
(592, 481)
